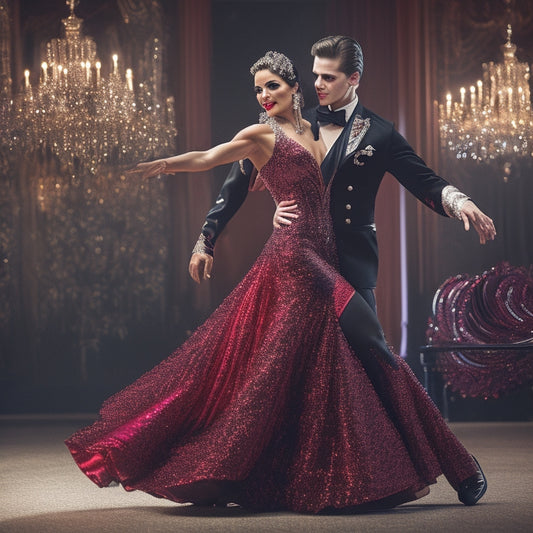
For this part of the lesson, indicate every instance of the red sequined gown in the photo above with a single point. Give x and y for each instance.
(265, 404)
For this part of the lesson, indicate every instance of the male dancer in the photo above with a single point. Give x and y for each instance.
(361, 147)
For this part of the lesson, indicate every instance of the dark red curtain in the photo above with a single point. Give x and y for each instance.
(190, 194)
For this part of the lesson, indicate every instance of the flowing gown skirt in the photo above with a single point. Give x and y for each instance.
(265, 404)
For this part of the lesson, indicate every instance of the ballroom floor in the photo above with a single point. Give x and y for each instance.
(41, 490)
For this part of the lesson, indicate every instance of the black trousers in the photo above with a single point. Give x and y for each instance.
(369, 296)
(363, 331)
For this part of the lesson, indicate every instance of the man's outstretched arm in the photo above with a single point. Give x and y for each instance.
(435, 192)
(230, 198)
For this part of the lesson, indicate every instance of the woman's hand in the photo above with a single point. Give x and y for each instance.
(150, 169)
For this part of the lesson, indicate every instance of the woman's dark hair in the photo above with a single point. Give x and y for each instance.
(278, 64)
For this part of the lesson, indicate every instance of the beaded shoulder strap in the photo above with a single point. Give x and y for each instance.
(271, 121)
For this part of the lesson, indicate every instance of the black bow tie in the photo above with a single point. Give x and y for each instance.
(325, 116)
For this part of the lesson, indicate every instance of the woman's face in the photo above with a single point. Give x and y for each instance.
(274, 94)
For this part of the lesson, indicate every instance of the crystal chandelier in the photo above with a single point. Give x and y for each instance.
(84, 119)
(493, 120)
(83, 250)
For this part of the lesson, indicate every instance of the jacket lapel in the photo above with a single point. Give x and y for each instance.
(331, 161)
(346, 144)
(358, 130)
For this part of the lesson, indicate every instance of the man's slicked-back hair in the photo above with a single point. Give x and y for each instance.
(346, 49)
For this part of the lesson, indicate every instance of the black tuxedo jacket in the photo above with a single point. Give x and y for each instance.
(368, 147)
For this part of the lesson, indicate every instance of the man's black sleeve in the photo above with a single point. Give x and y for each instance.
(230, 198)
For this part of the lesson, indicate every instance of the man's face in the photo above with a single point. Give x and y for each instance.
(332, 86)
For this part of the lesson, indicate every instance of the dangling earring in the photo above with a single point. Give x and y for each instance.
(297, 110)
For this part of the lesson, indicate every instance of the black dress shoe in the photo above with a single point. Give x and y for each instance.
(472, 489)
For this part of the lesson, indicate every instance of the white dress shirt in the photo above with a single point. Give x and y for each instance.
(331, 132)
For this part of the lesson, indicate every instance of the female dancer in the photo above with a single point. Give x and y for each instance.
(266, 404)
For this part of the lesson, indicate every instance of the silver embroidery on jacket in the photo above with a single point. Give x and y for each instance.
(359, 128)
(368, 151)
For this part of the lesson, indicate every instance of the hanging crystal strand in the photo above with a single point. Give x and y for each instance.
(297, 110)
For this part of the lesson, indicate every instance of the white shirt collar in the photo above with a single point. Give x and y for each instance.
(348, 108)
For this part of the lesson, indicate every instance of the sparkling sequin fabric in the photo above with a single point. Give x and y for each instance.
(265, 404)
(495, 307)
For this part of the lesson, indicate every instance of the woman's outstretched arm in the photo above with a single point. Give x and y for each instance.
(255, 143)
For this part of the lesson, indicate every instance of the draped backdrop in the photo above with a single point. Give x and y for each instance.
(76, 323)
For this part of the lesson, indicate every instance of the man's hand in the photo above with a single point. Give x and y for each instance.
(471, 214)
(200, 266)
(285, 211)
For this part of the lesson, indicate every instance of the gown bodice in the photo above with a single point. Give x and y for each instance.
(292, 173)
